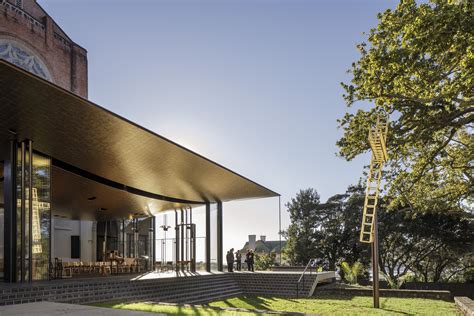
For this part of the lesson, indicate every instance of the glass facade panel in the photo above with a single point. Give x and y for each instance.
(41, 216)
(2, 223)
(40, 221)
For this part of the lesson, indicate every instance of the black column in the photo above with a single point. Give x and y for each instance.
(182, 227)
(10, 231)
(220, 248)
(30, 210)
(23, 213)
(176, 227)
(153, 243)
(208, 237)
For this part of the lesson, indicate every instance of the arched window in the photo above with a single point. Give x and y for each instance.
(21, 56)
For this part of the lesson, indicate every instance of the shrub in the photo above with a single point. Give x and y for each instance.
(351, 273)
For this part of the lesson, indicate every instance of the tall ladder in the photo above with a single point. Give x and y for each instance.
(377, 140)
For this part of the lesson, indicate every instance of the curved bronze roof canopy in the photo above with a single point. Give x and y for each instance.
(88, 140)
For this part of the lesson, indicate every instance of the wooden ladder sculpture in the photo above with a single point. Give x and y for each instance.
(377, 140)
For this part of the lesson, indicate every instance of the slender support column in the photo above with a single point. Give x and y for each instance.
(186, 253)
(153, 242)
(23, 214)
(176, 227)
(10, 232)
(220, 247)
(182, 227)
(123, 239)
(279, 223)
(208, 237)
(375, 263)
(30, 211)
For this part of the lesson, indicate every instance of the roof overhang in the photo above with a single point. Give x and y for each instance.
(91, 141)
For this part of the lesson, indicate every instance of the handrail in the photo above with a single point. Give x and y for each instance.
(311, 265)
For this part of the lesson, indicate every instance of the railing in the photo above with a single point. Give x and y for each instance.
(311, 265)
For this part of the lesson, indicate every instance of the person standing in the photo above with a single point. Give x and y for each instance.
(227, 258)
(231, 266)
(238, 257)
(251, 260)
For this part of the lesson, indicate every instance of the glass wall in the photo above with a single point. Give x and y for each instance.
(39, 221)
(41, 216)
(2, 223)
(165, 246)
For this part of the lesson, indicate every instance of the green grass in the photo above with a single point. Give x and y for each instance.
(173, 310)
(323, 304)
(343, 305)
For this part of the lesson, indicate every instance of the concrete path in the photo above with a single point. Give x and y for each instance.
(54, 309)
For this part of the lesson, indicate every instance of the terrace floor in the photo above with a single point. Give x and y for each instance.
(134, 277)
(53, 309)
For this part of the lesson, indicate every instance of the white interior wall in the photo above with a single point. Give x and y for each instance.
(61, 241)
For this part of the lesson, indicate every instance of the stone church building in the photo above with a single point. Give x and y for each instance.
(30, 39)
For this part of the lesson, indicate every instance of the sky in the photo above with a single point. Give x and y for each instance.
(252, 85)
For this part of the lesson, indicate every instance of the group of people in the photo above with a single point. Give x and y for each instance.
(237, 258)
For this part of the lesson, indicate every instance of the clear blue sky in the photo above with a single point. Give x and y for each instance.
(253, 85)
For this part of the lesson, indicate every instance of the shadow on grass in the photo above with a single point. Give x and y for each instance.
(256, 301)
(228, 303)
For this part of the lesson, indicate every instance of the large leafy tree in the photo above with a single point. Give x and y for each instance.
(326, 231)
(300, 243)
(418, 66)
(430, 247)
(433, 247)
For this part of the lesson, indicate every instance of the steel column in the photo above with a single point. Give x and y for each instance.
(10, 208)
(182, 240)
(30, 210)
(279, 222)
(176, 227)
(23, 214)
(153, 246)
(220, 247)
(208, 237)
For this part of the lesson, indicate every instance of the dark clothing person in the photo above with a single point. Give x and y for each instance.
(230, 260)
(238, 257)
(249, 258)
(227, 258)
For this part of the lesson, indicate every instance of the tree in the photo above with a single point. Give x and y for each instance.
(300, 246)
(326, 231)
(429, 247)
(434, 246)
(418, 66)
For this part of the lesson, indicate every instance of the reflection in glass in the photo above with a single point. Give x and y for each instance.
(2, 222)
(41, 219)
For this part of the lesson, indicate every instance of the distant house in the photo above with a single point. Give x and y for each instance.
(263, 246)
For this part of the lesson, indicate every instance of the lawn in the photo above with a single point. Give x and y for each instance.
(326, 304)
(174, 310)
(323, 304)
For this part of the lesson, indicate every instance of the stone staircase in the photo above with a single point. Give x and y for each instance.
(279, 284)
(190, 290)
(88, 291)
